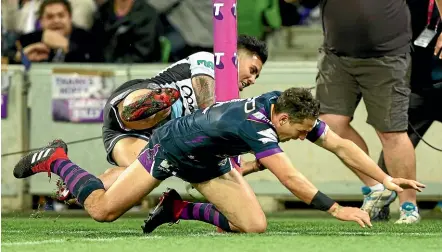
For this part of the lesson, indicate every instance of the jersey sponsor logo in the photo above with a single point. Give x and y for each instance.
(187, 94)
(269, 136)
(208, 64)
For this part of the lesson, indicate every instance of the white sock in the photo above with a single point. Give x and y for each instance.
(377, 187)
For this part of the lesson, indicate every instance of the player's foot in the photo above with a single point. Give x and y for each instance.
(384, 214)
(159, 99)
(409, 214)
(41, 160)
(375, 201)
(163, 212)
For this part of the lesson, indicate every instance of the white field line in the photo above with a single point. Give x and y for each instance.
(27, 243)
(155, 237)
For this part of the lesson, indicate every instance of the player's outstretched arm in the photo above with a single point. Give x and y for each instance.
(280, 165)
(204, 87)
(355, 158)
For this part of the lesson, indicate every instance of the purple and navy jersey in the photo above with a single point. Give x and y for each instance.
(226, 129)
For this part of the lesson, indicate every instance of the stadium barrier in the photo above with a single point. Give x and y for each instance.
(34, 127)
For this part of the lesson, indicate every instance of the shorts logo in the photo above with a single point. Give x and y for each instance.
(217, 11)
(222, 162)
(164, 166)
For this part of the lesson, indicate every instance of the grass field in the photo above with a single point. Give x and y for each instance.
(286, 232)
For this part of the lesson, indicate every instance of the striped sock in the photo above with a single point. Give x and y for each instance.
(205, 212)
(79, 182)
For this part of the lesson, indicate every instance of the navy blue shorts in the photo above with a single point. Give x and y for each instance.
(158, 161)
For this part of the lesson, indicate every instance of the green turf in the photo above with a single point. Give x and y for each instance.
(285, 233)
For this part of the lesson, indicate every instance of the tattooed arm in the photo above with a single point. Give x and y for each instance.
(204, 87)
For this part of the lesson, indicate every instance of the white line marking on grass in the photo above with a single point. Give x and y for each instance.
(76, 232)
(154, 237)
(355, 233)
(26, 243)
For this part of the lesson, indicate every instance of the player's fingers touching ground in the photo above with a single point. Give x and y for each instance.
(366, 218)
(359, 221)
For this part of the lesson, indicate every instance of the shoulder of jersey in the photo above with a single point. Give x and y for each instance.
(271, 95)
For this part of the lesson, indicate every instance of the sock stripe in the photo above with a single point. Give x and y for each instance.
(216, 218)
(65, 168)
(59, 163)
(211, 213)
(185, 213)
(75, 171)
(71, 173)
(207, 211)
(85, 189)
(79, 182)
(77, 178)
(196, 210)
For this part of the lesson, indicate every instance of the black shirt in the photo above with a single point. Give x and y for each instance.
(366, 28)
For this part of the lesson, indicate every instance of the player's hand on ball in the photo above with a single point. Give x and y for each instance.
(399, 184)
(352, 214)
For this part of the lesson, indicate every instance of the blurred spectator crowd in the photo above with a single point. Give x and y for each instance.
(130, 31)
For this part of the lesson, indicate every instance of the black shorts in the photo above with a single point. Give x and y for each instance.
(113, 129)
(161, 164)
(113, 132)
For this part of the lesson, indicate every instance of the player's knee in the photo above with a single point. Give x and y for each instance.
(258, 225)
(103, 215)
(122, 157)
(338, 123)
(393, 138)
(100, 209)
(254, 222)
